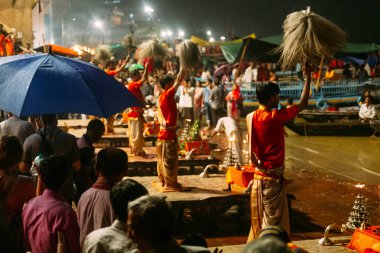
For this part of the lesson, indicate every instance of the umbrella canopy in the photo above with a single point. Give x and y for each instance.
(35, 84)
(222, 69)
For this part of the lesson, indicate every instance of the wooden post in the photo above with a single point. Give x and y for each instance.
(243, 54)
(318, 83)
(44, 41)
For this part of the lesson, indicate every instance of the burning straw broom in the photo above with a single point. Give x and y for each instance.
(189, 55)
(128, 42)
(151, 49)
(103, 54)
(309, 37)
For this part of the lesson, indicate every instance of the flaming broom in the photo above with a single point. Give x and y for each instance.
(188, 54)
(309, 37)
(103, 54)
(151, 49)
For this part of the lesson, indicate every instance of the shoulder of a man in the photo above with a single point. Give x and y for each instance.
(170, 92)
(285, 114)
(59, 136)
(33, 139)
(95, 242)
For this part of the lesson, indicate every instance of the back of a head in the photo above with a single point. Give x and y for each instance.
(266, 245)
(135, 73)
(54, 171)
(49, 119)
(369, 98)
(112, 162)
(151, 219)
(275, 231)
(194, 239)
(122, 193)
(10, 152)
(95, 125)
(265, 90)
(166, 80)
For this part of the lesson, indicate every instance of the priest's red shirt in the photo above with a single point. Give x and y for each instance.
(267, 136)
(167, 115)
(110, 72)
(134, 88)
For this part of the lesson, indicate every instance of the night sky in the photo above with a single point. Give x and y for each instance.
(359, 18)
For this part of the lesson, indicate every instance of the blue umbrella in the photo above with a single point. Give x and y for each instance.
(37, 84)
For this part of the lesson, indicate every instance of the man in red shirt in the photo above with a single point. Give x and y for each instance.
(267, 147)
(112, 71)
(135, 113)
(167, 144)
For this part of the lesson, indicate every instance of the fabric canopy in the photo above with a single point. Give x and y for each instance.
(258, 50)
(360, 47)
(261, 49)
(231, 51)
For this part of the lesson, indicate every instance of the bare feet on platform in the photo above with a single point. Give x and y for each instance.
(178, 188)
(141, 153)
(228, 189)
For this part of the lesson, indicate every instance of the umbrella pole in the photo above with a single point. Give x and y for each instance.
(44, 41)
(243, 54)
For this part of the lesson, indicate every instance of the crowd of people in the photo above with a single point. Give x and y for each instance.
(38, 215)
(115, 215)
(10, 45)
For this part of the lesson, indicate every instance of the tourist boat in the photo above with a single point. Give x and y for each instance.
(342, 127)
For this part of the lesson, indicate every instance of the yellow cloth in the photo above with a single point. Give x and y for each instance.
(269, 205)
(167, 163)
(329, 74)
(365, 240)
(136, 137)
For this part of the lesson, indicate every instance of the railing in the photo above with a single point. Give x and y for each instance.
(293, 89)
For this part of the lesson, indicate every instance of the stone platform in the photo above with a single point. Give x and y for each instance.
(203, 207)
(147, 165)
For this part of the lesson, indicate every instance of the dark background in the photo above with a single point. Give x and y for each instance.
(359, 18)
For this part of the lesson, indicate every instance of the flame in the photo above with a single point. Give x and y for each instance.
(232, 138)
(360, 186)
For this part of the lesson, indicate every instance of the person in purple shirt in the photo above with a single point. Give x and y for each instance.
(87, 175)
(94, 208)
(46, 215)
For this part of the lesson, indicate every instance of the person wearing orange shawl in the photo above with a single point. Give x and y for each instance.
(135, 113)
(2, 48)
(112, 71)
(9, 45)
(3, 33)
(233, 98)
(167, 144)
(267, 148)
